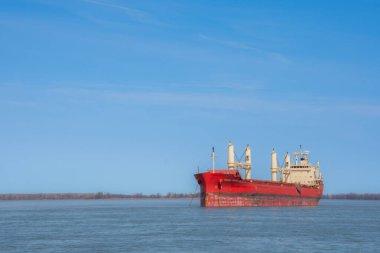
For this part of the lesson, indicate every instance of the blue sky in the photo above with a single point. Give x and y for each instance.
(130, 96)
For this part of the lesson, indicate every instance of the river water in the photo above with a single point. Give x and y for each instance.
(174, 226)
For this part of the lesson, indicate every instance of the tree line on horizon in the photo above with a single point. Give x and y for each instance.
(170, 195)
(364, 196)
(99, 195)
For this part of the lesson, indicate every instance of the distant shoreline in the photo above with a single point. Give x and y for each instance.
(99, 195)
(361, 196)
(102, 195)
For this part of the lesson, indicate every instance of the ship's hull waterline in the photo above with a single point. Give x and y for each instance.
(226, 188)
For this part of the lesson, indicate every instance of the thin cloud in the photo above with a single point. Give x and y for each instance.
(193, 100)
(362, 109)
(230, 43)
(231, 101)
(134, 14)
(15, 102)
(279, 57)
(163, 99)
(231, 86)
(244, 46)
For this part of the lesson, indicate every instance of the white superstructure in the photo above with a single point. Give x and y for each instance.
(301, 171)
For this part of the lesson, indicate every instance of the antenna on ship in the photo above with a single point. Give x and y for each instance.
(213, 156)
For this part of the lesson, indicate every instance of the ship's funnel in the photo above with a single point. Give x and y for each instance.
(248, 162)
(231, 157)
(274, 166)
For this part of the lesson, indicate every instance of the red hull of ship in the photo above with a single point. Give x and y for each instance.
(226, 188)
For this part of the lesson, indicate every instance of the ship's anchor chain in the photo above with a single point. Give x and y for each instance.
(299, 188)
(220, 184)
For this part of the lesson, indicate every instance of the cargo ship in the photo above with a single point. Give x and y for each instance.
(294, 183)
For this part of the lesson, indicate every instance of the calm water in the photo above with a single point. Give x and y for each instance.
(172, 226)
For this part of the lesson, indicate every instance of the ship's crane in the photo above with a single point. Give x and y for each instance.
(247, 165)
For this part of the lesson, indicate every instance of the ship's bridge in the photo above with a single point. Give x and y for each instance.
(300, 171)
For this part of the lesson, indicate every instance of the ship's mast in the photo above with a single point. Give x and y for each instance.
(213, 156)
